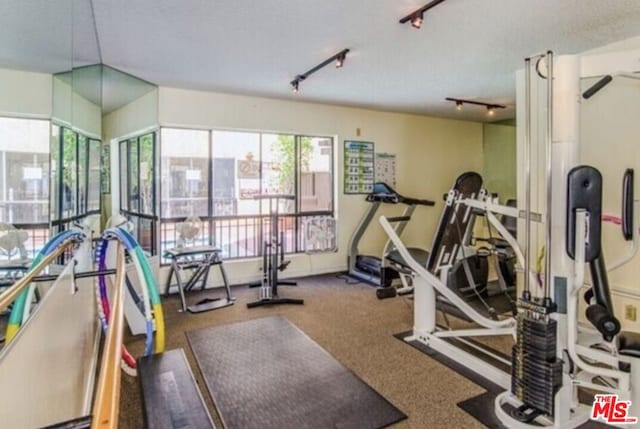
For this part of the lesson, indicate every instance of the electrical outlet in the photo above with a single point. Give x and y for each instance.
(630, 312)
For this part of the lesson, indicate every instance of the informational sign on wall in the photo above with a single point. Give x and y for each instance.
(386, 168)
(359, 167)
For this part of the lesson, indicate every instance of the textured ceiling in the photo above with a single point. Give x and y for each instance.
(465, 49)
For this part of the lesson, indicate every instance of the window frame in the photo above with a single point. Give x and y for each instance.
(81, 210)
(137, 215)
(297, 214)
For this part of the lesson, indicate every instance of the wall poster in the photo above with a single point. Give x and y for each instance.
(359, 167)
(386, 169)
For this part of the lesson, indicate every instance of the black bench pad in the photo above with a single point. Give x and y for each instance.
(170, 395)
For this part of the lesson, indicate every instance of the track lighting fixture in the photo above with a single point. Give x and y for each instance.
(417, 16)
(491, 107)
(339, 58)
(416, 20)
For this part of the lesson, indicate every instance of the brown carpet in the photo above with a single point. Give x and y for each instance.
(356, 328)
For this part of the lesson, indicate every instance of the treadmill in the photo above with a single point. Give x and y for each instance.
(370, 268)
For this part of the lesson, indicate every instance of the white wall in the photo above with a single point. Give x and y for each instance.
(431, 153)
(25, 94)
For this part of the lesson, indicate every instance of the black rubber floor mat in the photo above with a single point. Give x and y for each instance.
(266, 373)
(481, 406)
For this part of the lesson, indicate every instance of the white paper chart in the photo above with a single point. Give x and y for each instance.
(359, 167)
(386, 168)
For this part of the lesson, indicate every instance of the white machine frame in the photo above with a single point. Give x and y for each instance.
(427, 285)
(574, 340)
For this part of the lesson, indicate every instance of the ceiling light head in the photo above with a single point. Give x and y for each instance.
(416, 19)
(340, 59)
(458, 105)
(294, 85)
(490, 110)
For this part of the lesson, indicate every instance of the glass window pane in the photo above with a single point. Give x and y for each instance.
(55, 158)
(69, 173)
(124, 204)
(83, 162)
(24, 170)
(236, 173)
(278, 169)
(185, 173)
(93, 193)
(315, 167)
(147, 173)
(133, 176)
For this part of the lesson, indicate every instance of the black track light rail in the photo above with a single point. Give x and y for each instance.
(459, 101)
(340, 55)
(421, 11)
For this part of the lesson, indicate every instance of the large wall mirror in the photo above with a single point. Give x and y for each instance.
(109, 110)
(63, 117)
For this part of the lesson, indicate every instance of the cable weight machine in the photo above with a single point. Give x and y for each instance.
(273, 258)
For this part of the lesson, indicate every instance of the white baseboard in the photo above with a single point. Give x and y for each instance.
(214, 283)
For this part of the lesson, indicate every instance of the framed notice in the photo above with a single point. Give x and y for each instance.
(359, 167)
(386, 168)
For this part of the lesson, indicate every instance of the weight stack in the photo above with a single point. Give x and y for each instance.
(536, 372)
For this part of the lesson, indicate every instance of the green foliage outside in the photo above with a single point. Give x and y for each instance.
(283, 150)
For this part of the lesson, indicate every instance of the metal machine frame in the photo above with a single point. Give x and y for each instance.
(428, 283)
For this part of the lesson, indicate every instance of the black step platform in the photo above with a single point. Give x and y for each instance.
(170, 395)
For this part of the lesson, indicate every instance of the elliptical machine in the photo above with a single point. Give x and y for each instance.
(273, 258)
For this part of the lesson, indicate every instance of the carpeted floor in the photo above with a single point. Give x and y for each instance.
(350, 323)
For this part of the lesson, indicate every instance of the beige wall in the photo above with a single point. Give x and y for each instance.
(25, 94)
(69, 107)
(499, 169)
(430, 154)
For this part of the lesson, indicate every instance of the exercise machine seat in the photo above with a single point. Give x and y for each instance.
(629, 344)
(419, 255)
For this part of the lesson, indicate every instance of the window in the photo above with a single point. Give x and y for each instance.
(76, 164)
(215, 175)
(138, 187)
(184, 166)
(24, 181)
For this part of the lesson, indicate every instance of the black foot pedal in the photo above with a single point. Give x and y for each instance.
(386, 292)
(209, 304)
(283, 266)
(525, 414)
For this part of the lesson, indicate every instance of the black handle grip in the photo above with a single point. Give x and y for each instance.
(604, 321)
(399, 219)
(593, 89)
(627, 204)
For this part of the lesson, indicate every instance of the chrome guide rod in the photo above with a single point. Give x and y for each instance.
(527, 176)
(548, 226)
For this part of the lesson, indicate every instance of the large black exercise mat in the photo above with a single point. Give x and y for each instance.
(266, 373)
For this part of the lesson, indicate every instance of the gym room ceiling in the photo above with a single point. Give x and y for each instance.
(466, 49)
